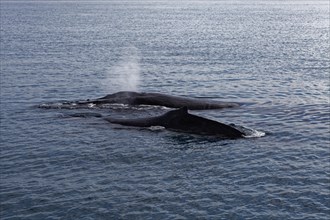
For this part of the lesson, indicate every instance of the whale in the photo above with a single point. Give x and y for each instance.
(159, 99)
(180, 120)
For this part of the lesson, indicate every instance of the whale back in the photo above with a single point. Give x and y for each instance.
(181, 120)
(163, 120)
(123, 97)
(180, 101)
(139, 122)
(158, 99)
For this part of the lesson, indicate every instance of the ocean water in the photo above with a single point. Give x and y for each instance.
(272, 56)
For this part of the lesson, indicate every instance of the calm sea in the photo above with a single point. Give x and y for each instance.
(272, 56)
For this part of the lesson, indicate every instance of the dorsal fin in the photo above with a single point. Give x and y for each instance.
(177, 112)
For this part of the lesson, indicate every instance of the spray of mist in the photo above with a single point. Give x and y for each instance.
(125, 74)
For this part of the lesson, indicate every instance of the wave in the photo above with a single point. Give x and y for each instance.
(249, 132)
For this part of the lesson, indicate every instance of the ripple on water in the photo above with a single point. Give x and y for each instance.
(272, 56)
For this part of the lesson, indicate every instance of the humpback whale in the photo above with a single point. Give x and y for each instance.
(158, 99)
(181, 121)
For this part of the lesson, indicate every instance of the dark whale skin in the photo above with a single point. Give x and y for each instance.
(181, 121)
(158, 99)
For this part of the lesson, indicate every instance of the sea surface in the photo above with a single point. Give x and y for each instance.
(270, 56)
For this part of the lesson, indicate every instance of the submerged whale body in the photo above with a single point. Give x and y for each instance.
(158, 99)
(180, 120)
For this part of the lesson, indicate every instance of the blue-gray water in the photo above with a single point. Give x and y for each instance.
(271, 55)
